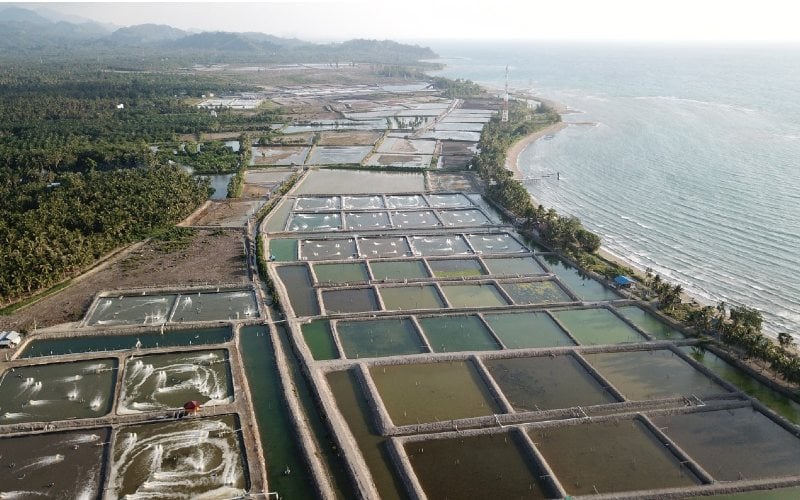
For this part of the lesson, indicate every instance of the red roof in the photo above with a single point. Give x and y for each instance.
(191, 405)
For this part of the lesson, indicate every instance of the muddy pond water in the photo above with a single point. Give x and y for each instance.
(341, 273)
(351, 300)
(403, 298)
(53, 465)
(457, 333)
(399, 270)
(41, 393)
(456, 268)
(302, 295)
(375, 338)
(527, 330)
(650, 324)
(597, 326)
(473, 295)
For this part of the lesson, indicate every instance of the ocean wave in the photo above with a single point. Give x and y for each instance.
(700, 102)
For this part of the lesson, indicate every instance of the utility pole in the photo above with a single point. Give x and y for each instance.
(504, 118)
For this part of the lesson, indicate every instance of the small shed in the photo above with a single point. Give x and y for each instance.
(623, 281)
(192, 406)
(10, 339)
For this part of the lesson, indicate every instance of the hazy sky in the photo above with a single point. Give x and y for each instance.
(670, 20)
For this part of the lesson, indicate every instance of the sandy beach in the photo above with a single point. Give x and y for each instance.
(512, 157)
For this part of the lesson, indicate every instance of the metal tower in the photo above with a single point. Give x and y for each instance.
(504, 119)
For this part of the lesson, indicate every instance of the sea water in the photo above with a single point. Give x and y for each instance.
(682, 158)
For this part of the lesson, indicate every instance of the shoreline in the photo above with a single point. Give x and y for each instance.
(512, 155)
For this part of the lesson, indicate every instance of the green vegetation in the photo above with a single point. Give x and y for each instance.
(52, 231)
(212, 157)
(457, 88)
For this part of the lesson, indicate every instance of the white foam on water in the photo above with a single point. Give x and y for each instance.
(41, 462)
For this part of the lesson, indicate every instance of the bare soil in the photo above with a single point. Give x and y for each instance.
(461, 181)
(349, 138)
(212, 257)
(227, 213)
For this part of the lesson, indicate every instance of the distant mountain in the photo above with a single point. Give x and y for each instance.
(145, 34)
(20, 15)
(25, 33)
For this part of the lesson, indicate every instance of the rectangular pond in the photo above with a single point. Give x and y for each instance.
(350, 300)
(355, 272)
(384, 247)
(427, 246)
(302, 295)
(456, 268)
(319, 339)
(403, 298)
(337, 249)
(399, 270)
(317, 203)
(583, 286)
(433, 392)
(608, 457)
(527, 330)
(406, 201)
(144, 340)
(131, 310)
(376, 338)
(190, 458)
(445, 200)
(58, 391)
(419, 219)
(54, 465)
(501, 243)
(215, 306)
(473, 295)
(463, 217)
(547, 383)
(735, 444)
(337, 155)
(536, 292)
(656, 374)
(597, 326)
(362, 202)
(283, 250)
(514, 266)
(485, 466)
(366, 220)
(360, 182)
(650, 324)
(311, 222)
(457, 333)
(166, 381)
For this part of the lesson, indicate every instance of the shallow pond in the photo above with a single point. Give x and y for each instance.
(350, 300)
(607, 457)
(650, 324)
(283, 250)
(132, 310)
(439, 245)
(496, 243)
(735, 444)
(341, 273)
(433, 392)
(581, 285)
(319, 339)
(656, 374)
(547, 383)
(215, 306)
(456, 268)
(463, 217)
(354, 182)
(327, 249)
(457, 333)
(384, 247)
(302, 296)
(526, 330)
(597, 327)
(416, 219)
(399, 270)
(375, 338)
(307, 222)
(473, 295)
(355, 221)
(402, 298)
(514, 266)
(451, 468)
(536, 292)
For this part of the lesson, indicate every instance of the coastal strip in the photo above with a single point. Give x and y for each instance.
(512, 157)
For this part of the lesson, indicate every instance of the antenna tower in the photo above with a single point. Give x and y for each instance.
(505, 100)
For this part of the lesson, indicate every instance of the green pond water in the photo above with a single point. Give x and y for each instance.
(302, 296)
(399, 270)
(433, 392)
(735, 444)
(350, 300)
(283, 250)
(340, 249)
(607, 457)
(514, 266)
(97, 343)
(41, 393)
(356, 412)
(403, 298)
(319, 340)
(641, 375)
(166, 381)
(547, 383)
(54, 464)
(773, 399)
(581, 285)
(451, 468)
(273, 417)
(456, 268)
(650, 324)
(375, 338)
(597, 327)
(341, 273)
(457, 333)
(527, 330)
(536, 292)
(473, 295)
